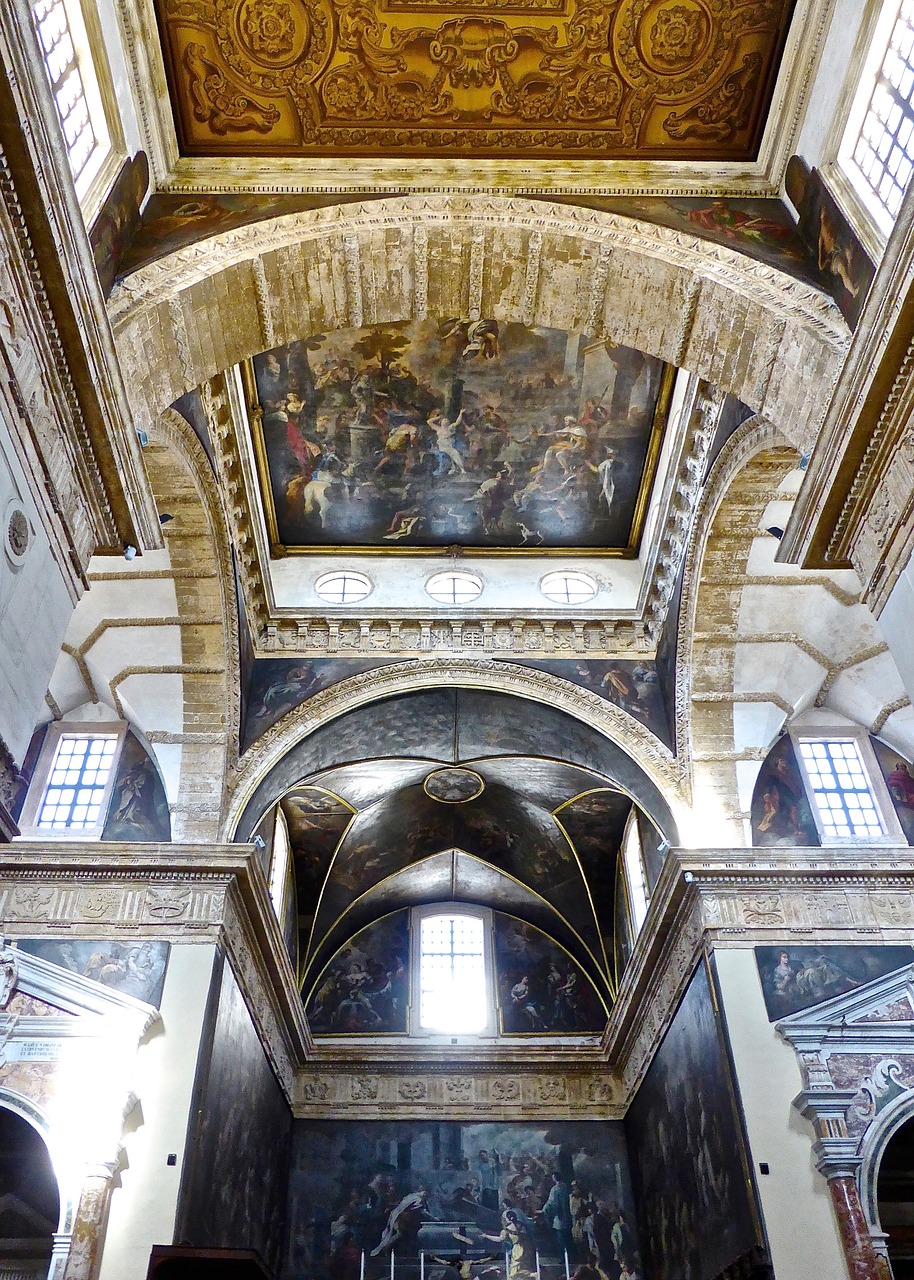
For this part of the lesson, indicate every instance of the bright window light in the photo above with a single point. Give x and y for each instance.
(454, 588)
(878, 147)
(344, 587)
(64, 47)
(568, 587)
(634, 876)
(76, 785)
(841, 790)
(452, 975)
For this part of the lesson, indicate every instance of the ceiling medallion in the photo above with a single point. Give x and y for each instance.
(453, 786)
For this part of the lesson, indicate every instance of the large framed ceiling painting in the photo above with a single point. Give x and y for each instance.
(668, 79)
(463, 433)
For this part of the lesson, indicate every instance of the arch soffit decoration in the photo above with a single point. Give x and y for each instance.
(660, 766)
(702, 306)
(752, 439)
(175, 434)
(876, 1139)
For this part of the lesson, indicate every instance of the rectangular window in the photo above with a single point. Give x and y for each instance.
(877, 151)
(453, 996)
(77, 783)
(70, 791)
(843, 798)
(78, 75)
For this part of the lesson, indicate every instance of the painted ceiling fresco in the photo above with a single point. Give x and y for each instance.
(585, 78)
(457, 432)
(533, 838)
(280, 684)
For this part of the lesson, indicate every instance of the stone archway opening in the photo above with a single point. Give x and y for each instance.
(29, 1200)
(895, 1200)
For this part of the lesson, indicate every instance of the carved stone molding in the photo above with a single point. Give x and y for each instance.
(724, 317)
(460, 1091)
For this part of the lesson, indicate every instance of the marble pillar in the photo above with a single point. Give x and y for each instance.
(862, 1262)
(91, 1220)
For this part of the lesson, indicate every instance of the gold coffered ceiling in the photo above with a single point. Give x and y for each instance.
(670, 79)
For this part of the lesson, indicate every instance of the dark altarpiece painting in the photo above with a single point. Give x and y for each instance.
(696, 1203)
(235, 1181)
(431, 1200)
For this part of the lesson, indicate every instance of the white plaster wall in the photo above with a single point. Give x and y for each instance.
(35, 607)
(120, 77)
(143, 1208)
(897, 624)
(824, 99)
(796, 1205)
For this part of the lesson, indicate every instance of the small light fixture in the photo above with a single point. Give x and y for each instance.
(165, 517)
(130, 552)
(142, 437)
(258, 842)
(775, 531)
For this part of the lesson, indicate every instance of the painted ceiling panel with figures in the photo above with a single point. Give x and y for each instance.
(687, 79)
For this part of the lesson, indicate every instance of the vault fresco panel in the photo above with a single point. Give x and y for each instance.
(585, 78)
(457, 432)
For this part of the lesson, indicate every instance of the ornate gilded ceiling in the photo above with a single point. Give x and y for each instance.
(688, 79)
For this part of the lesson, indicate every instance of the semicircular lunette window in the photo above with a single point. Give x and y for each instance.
(343, 587)
(565, 587)
(454, 588)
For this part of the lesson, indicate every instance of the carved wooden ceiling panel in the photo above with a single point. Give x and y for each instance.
(688, 79)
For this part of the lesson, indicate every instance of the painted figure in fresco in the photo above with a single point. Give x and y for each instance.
(780, 810)
(557, 1213)
(287, 693)
(901, 785)
(736, 224)
(403, 1224)
(517, 1236)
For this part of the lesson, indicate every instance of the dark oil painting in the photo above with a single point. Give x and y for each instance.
(135, 968)
(139, 807)
(594, 823)
(899, 778)
(316, 821)
(235, 1183)
(633, 687)
(844, 267)
(794, 978)
(780, 811)
(365, 988)
(458, 432)
(279, 684)
(688, 1150)
(540, 989)
(463, 1200)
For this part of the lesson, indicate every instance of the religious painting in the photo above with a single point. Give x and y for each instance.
(540, 989)
(899, 778)
(633, 687)
(316, 821)
(508, 1201)
(139, 807)
(759, 227)
(457, 432)
(688, 1149)
(118, 220)
(780, 811)
(795, 978)
(236, 1172)
(365, 988)
(279, 684)
(845, 268)
(135, 968)
(593, 824)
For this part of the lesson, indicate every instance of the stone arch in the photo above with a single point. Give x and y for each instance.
(655, 762)
(729, 319)
(762, 642)
(201, 568)
(873, 1144)
(34, 1116)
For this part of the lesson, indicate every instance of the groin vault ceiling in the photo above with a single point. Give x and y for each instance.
(667, 79)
